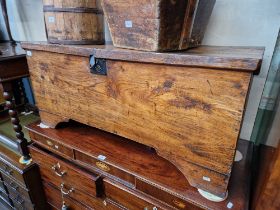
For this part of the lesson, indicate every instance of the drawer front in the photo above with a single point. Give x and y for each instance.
(104, 167)
(164, 196)
(2, 186)
(4, 196)
(21, 204)
(7, 205)
(130, 199)
(9, 171)
(51, 145)
(54, 199)
(14, 190)
(58, 172)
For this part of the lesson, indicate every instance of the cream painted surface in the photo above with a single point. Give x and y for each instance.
(233, 23)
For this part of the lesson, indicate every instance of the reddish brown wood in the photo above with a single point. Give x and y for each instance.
(147, 172)
(54, 198)
(267, 189)
(131, 199)
(57, 172)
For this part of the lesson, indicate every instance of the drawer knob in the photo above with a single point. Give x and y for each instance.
(65, 192)
(57, 171)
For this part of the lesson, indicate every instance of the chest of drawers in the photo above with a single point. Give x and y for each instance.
(20, 185)
(188, 106)
(123, 174)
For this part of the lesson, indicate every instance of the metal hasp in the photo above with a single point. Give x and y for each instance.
(97, 65)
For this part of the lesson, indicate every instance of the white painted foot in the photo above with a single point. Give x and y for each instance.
(238, 156)
(211, 197)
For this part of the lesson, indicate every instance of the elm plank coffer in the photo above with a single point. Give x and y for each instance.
(188, 106)
(133, 176)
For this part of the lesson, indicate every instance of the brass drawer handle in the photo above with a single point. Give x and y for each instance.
(64, 192)
(56, 168)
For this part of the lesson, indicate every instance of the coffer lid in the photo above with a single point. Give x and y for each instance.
(218, 57)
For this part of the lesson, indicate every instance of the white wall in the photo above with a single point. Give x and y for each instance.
(247, 23)
(233, 23)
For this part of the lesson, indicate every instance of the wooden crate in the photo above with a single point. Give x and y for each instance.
(73, 22)
(157, 25)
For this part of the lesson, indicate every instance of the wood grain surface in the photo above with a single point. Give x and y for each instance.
(190, 115)
(157, 25)
(73, 22)
(230, 58)
(151, 173)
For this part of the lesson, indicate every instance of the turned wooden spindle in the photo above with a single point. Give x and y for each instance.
(22, 142)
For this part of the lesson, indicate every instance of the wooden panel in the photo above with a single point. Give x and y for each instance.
(104, 167)
(231, 58)
(54, 198)
(74, 22)
(64, 28)
(130, 199)
(157, 25)
(73, 4)
(195, 111)
(8, 170)
(269, 193)
(14, 187)
(21, 204)
(51, 145)
(57, 171)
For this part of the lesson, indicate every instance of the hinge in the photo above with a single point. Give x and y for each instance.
(97, 65)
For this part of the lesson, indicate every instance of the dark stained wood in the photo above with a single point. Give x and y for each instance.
(57, 171)
(267, 185)
(54, 198)
(232, 58)
(21, 182)
(13, 67)
(51, 145)
(151, 174)
(78, 22)
(157, 25)
(131, 199)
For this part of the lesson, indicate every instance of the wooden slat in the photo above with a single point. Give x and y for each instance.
(233, 58)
